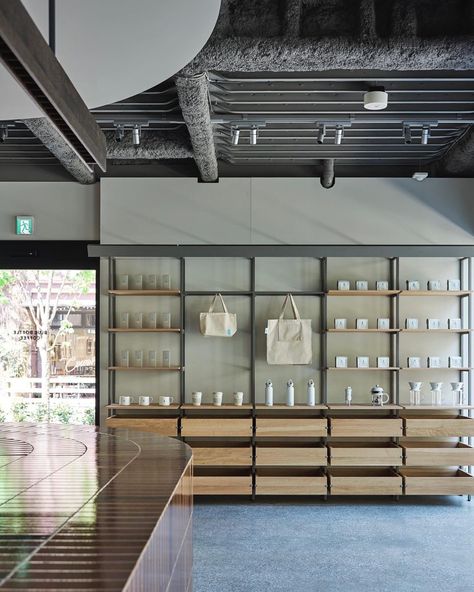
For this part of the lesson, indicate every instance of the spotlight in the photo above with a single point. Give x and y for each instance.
(376, 99)
(407, 134)
(321, 133)
(136, 135)
(420, 175)
(3, 133)
(119, 133)
(234, 136)
(253, 135)
(425, 134)
(339, 135)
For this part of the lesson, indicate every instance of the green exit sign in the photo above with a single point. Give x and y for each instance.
(24, 224)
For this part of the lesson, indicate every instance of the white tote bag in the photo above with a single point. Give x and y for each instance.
(218, 324)
(289, 341)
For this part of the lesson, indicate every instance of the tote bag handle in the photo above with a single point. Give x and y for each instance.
(296, 314)
(213, 303)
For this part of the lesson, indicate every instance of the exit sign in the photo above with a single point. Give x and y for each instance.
(24, 224)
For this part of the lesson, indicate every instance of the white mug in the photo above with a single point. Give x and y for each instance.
(125, 400)
(238, 398)
(145, 400)
(196, 398)
(217, 397)
(165, 400)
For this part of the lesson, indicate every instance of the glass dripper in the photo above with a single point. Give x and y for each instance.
(415, 392)
(436, 396)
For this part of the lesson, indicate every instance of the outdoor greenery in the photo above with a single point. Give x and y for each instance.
(37, 412)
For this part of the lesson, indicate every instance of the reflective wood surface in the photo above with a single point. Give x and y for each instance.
(96, 510)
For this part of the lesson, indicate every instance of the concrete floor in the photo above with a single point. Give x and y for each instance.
(421, 545)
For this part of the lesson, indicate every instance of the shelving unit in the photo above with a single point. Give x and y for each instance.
(328, 449)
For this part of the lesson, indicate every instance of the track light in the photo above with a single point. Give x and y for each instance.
(407, 134)
(253, 135)
(136, 135)
(425, 134)
(3, 133)
(234, 136)
(119, 133)
(339, 135)
(321, 133)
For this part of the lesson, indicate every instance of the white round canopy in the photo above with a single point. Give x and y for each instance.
(113, 49)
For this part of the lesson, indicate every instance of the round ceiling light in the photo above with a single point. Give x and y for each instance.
(375, 100)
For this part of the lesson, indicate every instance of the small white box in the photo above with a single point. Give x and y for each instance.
(413, 285)
(434, 285)
(362, 361)
(343, 285)
(434, 362)
(340, 324)
(341, 362)
(138, 281)
(383, 324)
(433, 324)
(151, 320)
(455, 324)
(455, 362)
(125, 358)
(151, 281)
(362, 285)
(454, 285)
(383, 362)
(138, 358)
(414, 362)
(122, 282)
(362, 324)
(165, 318)
(411, 324)
(152, 358)
(165, 281)
(124, 319)
(166, 358)
(381, 285)
(137, 320)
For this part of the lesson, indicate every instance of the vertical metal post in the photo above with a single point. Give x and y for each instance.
(470, 360)
(395, 323)
(253, 395)
(324, 334)
(111, 336)
(182, 344)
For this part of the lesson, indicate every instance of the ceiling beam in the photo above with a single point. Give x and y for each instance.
(29, 59)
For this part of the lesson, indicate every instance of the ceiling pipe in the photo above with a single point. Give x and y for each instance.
(328, 176)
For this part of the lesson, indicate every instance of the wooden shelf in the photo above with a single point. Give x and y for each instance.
(435, 407)
(363, 330)
(189, 407)
(443, 368)
(287, 408)
(363, 292)
(136, 407)
(365, 369)
(435, 293)
(144, 292)
(145, 368)
(416, 331)
(143, 330)
(343, 407)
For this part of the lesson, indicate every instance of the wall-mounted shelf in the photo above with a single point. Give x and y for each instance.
(144, 330)
(436, 331)
(434, 369)
(136, 407)
(424, 293)
(364, 369)
(144, 292)
(144, 368)
(363, 330)
(289, 409)
(363, 292)
(343, 407)
(216, 407)
(435, 407)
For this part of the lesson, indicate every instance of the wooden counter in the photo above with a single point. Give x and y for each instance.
(94, 510)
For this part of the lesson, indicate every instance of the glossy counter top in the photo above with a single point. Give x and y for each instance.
(84, 508)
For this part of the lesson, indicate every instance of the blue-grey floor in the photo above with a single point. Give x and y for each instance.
(378, 546)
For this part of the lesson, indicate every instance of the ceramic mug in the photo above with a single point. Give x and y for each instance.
(379, 399)
(196, 398)
(217, 397)
(238, 398)
(165, 400)
(126, 400)
(145, 400)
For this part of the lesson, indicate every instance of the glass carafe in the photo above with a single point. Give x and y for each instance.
(436, 394)
(415, 392)
(457, 389)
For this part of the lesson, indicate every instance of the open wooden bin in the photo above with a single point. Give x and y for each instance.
(216, 427)
(316, 456)
(365, 427)
(438, 425)
(444, 481)
(367, 481)
(363, 454)
(222, 485)
(427, 454)
(220, 456)
(283, 427)
(162, 426)
(308, 482)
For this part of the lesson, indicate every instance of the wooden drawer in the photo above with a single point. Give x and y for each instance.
(222, 485)
(427, 454)
(222, 456)
(164, 427)
(213, 427)
(437, 482)
(364, 482)
(291, 457)
(310, 427)
(366, 427)
(439, 426)
(287, 485)
(365, 454)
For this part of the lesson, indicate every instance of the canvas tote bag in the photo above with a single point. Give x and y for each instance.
(218, 324)
(289, 341)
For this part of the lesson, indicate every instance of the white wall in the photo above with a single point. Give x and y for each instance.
(62, 211)
(287, 211)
